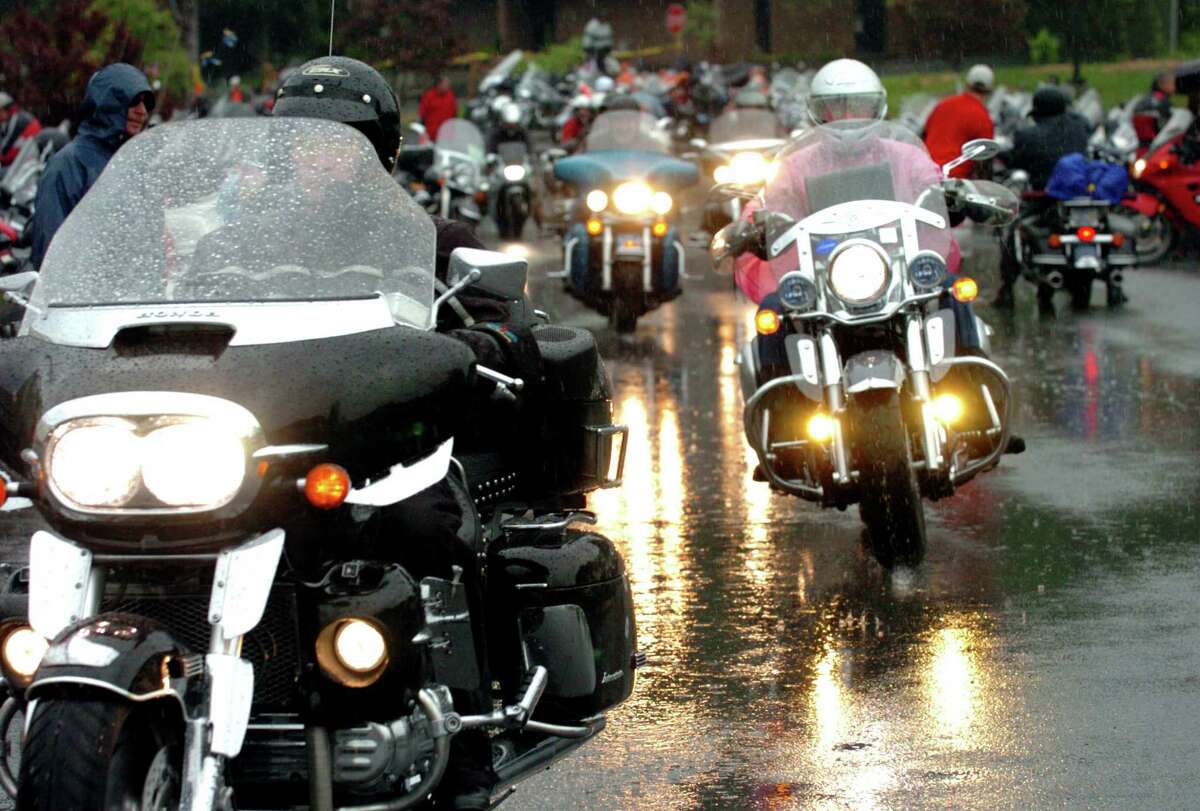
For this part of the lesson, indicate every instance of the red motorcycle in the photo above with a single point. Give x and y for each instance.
(1166, 200)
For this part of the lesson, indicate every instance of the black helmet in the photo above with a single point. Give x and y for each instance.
(1048, 102)
(337, 88)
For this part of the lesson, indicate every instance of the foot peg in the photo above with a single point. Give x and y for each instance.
(514, 716)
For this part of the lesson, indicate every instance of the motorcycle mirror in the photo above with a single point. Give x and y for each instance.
(501, 275)
(17, 281)
(989, 203)
(981, 149)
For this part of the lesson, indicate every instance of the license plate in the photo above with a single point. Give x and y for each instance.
(629, 246)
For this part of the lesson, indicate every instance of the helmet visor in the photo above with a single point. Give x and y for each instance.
(826, 109)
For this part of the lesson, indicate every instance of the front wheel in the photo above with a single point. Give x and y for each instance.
(622, 317)
(98, 753)
(890, 504)
(1157, 238)
(1081, 294)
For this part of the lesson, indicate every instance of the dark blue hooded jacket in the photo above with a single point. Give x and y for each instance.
(111, 91)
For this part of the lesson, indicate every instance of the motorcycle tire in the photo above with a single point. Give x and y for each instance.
(95, 752)
(1081, 295)
(622, 317)
(890, 504)
(1114, 296)
(1161, 240)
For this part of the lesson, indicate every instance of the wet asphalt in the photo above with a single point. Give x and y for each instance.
(1046, 653)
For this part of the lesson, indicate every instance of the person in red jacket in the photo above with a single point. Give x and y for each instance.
(959, 119)
(438, 105)
(17, 127)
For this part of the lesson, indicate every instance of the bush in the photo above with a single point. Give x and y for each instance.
(1044, 48)
(561, 58)
(700, 29)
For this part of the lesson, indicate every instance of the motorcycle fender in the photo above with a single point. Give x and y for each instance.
(871, 370)
(124, 654)
(1143, 203)
(802, 358)
(940, 340)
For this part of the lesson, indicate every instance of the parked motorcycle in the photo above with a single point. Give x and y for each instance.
(623, 256)
(739, 150)
(854, 392)
(226, 376)
(19, 184)
(458, 172)
(1164, 201)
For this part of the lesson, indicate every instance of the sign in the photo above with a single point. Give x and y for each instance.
(676, 18)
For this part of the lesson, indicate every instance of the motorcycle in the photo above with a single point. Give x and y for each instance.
(623, 255)
(854, 392)
(513, 194)
(19, 184)
(226, 376)
(739, 150)
(1164, 201)
(458, 172)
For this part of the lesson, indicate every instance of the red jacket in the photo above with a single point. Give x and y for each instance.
(437, 108)
(953, 122)
(20, 128)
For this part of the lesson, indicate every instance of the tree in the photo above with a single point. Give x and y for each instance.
(163, 51)
(399, 34)
(943, 31)
(46, 59)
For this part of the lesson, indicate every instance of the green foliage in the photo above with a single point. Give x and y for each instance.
(701, 27)
(560, 58)
(1044, 47)
(1103, 29)
(163, 52)
(944, 31)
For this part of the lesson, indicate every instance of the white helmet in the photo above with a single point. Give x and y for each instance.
(846, 90)
(510, 113)
(981, 79)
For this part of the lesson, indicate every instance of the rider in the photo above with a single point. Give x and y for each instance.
(17, 127)
(1151, 111)
(958, 119)
(425, 529)
(116, 105)
(1036, 150)
(575, 131)
(510, 130)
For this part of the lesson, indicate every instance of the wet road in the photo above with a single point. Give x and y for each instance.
(1047, 653)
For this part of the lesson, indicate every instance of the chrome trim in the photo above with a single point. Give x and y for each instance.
(84, 681)
(606, 258)
(959, 476)
(283, 451)
(750, 424)
(568, 250)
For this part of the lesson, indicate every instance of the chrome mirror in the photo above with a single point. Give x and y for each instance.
(500, 274)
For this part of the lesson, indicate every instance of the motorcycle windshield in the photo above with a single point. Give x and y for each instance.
(853, 180)
(461, 136)
(628, 129)
(244, 210)
(744, 125)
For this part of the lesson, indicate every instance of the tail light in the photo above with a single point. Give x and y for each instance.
(1086, 233)
(1118, 239)
(1055, 241)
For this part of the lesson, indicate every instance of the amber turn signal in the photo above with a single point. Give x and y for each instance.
(326, 486)
(1118, 239)
(965, 289)
(767, 322)
(1055, 241)
(595, 227)
(660, 229)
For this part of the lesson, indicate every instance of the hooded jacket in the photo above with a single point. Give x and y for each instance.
(1056, 132)
(110, 93)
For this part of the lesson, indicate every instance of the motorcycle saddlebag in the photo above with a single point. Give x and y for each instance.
(560, 598)
(578, 448)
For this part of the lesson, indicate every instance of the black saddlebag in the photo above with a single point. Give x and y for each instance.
(559, 597)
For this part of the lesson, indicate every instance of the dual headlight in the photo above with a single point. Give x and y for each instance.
(167, 462)
(631, 198)
(859, 272)
(745, 168)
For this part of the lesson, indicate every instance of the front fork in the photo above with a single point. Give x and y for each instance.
(66, 586)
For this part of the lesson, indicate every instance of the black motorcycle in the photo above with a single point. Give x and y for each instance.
(512, 202)
(225, 378)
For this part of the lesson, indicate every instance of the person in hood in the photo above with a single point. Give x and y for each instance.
(116, 106)
(17, 128)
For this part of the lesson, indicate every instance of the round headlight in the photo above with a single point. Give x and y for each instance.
(661, 202)
(724, 174)
(514, 173)
(749, 168)
(858, 272)
(1139, 166)
(797, 293)
(96, 465)
(359, 646)
(23, 651)
(632, 198)
(927, 270)
(193, 464)
(597, 200)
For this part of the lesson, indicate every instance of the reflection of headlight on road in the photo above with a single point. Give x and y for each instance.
(514, 173)
(632, 198)
(858, 273)
(193, 464)
(95, 465)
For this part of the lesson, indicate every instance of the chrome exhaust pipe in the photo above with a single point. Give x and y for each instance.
(1054, 279)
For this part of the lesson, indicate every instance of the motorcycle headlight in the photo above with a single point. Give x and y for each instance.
(858, 272)
(632, 197)
(661, 202)
(597, 200)
(514, 173)
(1139, 166)
(748, 168)
(23, 650)
(95, 464)
(193, 464)
(724, 174)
